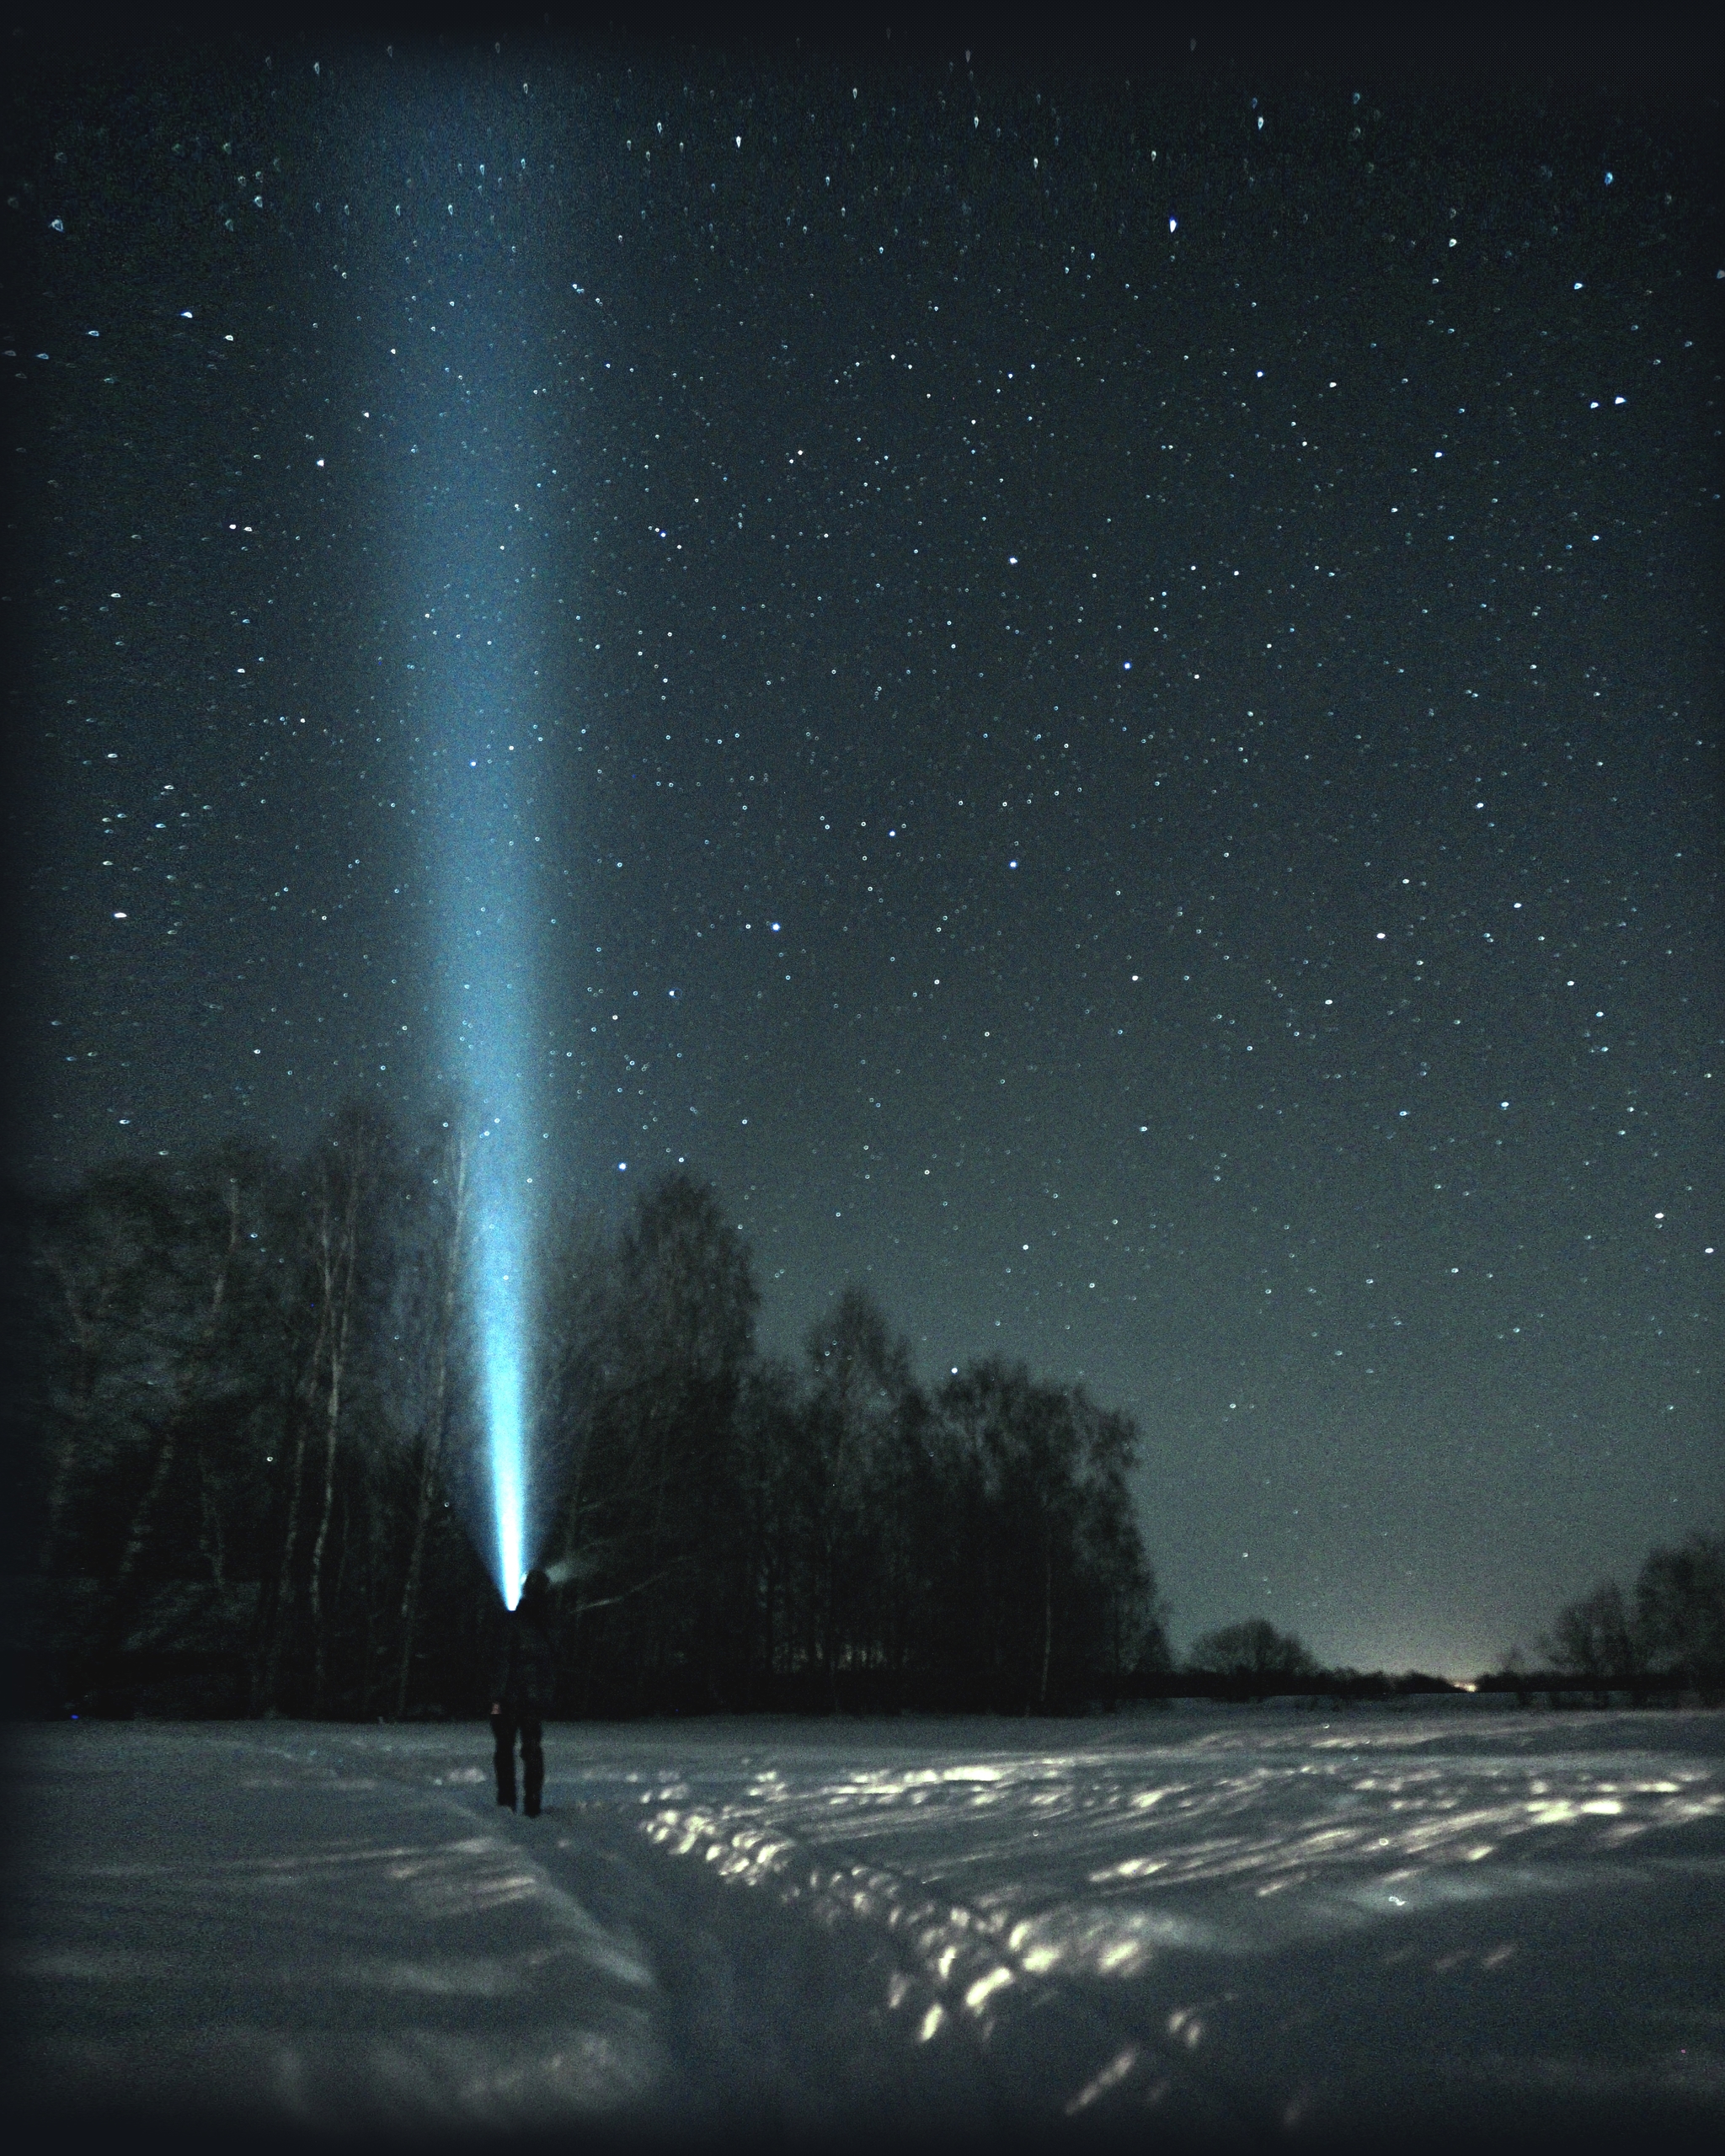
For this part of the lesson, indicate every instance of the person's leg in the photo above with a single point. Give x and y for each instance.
(503, 1731)
(533, 1764)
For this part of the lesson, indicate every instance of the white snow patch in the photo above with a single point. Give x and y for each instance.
(1248, 1921)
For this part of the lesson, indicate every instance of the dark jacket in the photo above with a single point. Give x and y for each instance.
(525, 1676)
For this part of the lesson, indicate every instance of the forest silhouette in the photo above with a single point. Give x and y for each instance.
(246, 1477)
(250, 1477)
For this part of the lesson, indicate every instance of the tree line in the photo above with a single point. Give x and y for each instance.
(244, 1476)
(246, 1468)
(1664, 1640)
(1669, 1633)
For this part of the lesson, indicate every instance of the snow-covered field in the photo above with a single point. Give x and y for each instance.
(1206, 1926)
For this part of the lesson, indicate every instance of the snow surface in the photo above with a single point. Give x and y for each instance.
(1271, 1926)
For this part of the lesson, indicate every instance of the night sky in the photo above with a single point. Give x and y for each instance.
(1093, 688)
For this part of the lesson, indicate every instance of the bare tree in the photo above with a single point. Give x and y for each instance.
(1020, 1445)
(1252, 1655)
(1594, 1637)
(154, 1340)
(655, 1497)
(99, 1256)
(861, 1386)
(342, 1182)
(1679, 1608)
(573, 1373)
(189, 1379)
(447, 1256)
(1124, 1617)
(347, 1172)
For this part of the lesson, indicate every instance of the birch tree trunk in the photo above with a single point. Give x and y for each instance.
(305, 1396)
(84, 1321)
(212, 1543)
(196, 1365)
(456, 1158)
(1048, 1609)
(337, 1266)
(283, 1612)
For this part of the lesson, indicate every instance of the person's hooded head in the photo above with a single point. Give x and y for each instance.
(535, 1597)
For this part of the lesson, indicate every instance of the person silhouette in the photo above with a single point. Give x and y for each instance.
(520, 1693)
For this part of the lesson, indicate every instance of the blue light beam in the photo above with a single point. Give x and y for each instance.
(465, 389)
(503, 1350)
(490, 1004)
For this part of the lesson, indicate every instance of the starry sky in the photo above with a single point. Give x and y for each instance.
(1093, 687)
